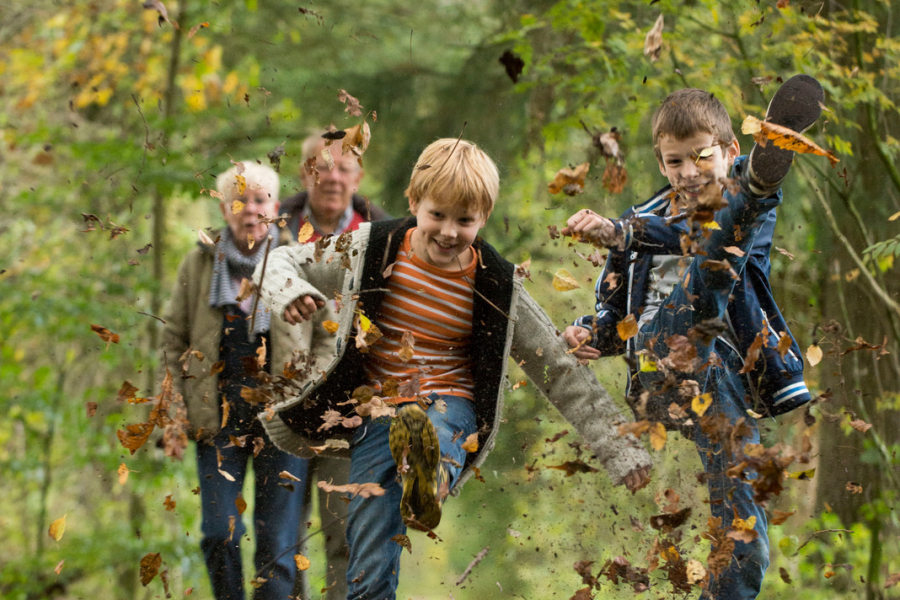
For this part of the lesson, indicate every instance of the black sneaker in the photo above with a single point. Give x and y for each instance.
(796, 105)
(417, 452)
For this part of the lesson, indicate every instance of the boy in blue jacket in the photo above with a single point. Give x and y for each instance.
(690, 269)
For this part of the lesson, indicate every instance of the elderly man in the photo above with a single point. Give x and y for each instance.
(329, 201)
(330, 204)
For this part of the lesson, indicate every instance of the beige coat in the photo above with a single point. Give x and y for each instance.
(191, 323)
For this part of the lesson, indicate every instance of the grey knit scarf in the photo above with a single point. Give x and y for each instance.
(231, 263)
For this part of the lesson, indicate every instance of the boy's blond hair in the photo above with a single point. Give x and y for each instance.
(453, 172)
(689, 111)
(256, 177)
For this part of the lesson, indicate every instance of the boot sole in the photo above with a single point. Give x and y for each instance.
(796, 105)
(412, 429)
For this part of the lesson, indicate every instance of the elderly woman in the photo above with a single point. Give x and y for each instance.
(207, 334)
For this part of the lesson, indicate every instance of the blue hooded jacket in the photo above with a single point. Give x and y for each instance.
(622, 287)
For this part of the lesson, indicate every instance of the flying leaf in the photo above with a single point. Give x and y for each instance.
(653, 41)
(892, 580)
(134, 436)
(701, 403)
(513, 64)
(123, 473)
(126, 392)
(240, 504)
(364, 322)
(814, 355)
(363, 490)
(569, 181)
(783, 137)
(59, 567)
(288, 476)
(695, 571)
(471, 443)
(779, 516)
(246, 290)
(58, 528)
(563, 281)
(159, 7)
(627, 328)
(860, 425)
(330, 326)
(169, 504)
(305, 233)
(197, 28)
(572, 467)
(302, 562)
(407, 347)
(352, 104)
(357, 139)
(403, 541)
(803, 475)
(658, 436)
(105, 334)
(204, 238)
(150, 565)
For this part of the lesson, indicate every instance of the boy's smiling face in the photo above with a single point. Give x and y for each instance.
(696, 166)
(444, 234)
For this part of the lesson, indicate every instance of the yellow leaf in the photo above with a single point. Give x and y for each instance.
(628, 328)
(669, 553)
(236, 207)
(701, 403)
(471, 443)
(894, 216)
(658, 436)
(58, 528)
(803, 475)
(645, 364)
(330, 326)
(814, 355)
(739, 524)
(242, 186)
(783, 137)
(712, 225)
(123, 474)
(563, 281)
(364, 323)
(305, 233)
(302, 562)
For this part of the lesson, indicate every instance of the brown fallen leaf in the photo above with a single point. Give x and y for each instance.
(569, 181)
(352, 104)
(363, 490)
(134, 436)
(783, 137)
(301, 562)
(402, 541)
(653, 41)
(627, 328)
(814, 355)
(105, 334)
(471, 443)
(860, 425)
(572, 467)
(150, 564)
(240, 504)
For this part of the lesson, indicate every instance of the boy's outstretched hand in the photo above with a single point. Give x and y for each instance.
(302, 309)
(579, 338)
(637, 479)
(592, 228)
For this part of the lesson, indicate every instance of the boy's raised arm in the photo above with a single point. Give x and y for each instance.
(576, 393)
(296, 273)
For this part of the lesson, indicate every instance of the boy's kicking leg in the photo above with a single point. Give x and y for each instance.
(374, 566)
(703, 296)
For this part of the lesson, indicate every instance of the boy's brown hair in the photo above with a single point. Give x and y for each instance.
(456, 173)
(690, 111)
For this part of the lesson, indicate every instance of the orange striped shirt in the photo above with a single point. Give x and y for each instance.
(435, 305)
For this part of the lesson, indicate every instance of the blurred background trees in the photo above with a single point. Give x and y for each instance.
(115, 123)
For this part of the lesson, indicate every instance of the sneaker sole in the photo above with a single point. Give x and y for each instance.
(796, 105)
(413, 434)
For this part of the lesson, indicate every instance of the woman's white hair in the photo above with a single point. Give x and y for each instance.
(256, 177)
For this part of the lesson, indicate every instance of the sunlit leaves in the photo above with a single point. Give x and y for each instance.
(301, 562)
(306, 232)
(814, 355)
(627, 328)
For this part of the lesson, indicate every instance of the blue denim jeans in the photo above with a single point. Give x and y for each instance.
(703, 295)
(276, 516)
(374, 567)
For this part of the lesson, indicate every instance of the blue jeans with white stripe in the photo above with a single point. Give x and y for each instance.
(702, 295)
(374, 568)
